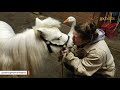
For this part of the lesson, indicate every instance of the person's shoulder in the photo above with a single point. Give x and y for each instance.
(94, 48)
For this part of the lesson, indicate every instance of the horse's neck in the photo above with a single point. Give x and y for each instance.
(56, 49)
(20, 38)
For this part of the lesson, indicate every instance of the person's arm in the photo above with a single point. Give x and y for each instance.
(86, 66)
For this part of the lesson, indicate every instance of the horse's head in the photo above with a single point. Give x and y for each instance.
(53, 36)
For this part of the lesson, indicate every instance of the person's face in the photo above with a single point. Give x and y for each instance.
(77, 40)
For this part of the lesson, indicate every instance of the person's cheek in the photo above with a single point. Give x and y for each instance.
(78, 41)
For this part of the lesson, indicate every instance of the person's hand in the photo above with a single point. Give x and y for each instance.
(81, 53)
(63, 52)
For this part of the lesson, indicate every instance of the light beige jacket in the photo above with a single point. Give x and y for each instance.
(97, 60)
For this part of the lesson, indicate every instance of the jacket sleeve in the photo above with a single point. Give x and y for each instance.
(86, 66)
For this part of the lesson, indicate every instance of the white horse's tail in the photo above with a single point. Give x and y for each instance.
(6, 31)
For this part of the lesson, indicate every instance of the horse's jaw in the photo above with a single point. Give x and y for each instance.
(56, 49)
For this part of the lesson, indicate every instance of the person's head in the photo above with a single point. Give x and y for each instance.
(84, 33)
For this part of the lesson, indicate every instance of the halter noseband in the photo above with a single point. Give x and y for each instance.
(50, 43)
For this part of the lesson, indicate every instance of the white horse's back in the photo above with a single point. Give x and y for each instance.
(6, 30)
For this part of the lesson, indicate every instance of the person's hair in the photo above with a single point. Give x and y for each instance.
(87, 30)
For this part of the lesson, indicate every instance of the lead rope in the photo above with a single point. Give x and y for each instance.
(62, 64)
(62, 69)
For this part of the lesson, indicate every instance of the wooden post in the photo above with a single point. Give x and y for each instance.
(103, 14)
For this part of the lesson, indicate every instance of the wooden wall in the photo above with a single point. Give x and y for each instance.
(80, 16)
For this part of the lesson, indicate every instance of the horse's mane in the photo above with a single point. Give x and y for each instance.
(23, 52)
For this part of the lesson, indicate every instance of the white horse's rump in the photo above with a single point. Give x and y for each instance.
(27, 50)
(6, 30)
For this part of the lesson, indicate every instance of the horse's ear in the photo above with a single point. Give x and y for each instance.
(38, 33)
(41, 32)
(37, 22)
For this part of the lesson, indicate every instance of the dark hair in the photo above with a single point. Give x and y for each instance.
(87, 30)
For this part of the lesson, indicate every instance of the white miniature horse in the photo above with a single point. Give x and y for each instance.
(29, 49)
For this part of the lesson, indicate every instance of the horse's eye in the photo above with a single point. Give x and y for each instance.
(59, 37)
(56, 38)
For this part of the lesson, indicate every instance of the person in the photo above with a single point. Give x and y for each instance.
(90, 55)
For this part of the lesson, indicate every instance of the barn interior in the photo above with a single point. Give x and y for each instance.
(19, 21)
